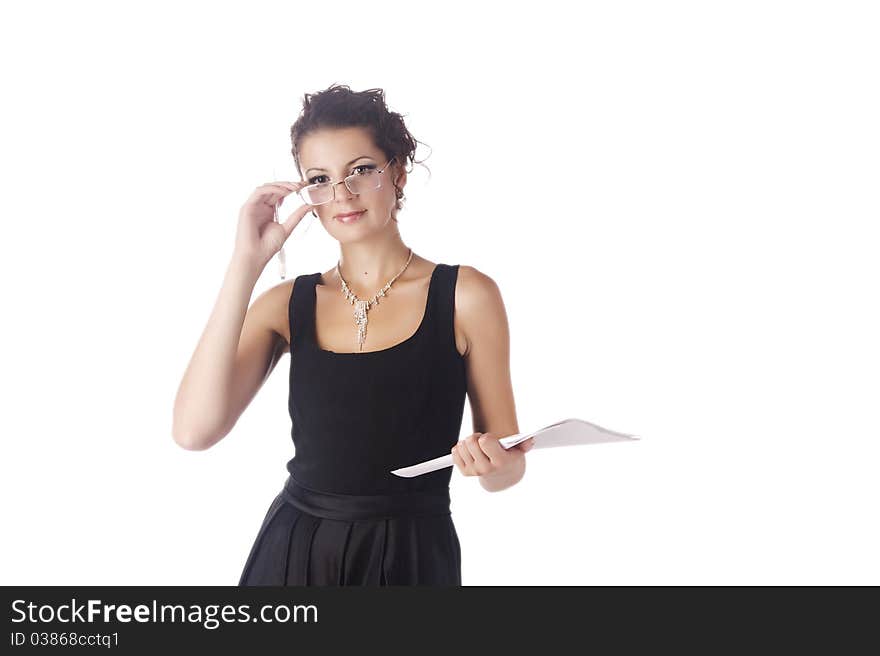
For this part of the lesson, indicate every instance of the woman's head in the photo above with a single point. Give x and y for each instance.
(341, 132)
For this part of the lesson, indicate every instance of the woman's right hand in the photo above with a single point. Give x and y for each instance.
(259, 236)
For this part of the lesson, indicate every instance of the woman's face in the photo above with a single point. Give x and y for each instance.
(330, 156)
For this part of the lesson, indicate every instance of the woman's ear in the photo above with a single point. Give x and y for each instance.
(401, 179)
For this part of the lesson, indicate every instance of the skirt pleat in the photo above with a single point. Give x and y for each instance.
(406, 543)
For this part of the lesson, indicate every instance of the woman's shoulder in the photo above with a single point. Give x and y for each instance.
(477, 302)
(473, 287)
(273, 306)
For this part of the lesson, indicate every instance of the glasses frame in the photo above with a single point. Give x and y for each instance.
(347, 185)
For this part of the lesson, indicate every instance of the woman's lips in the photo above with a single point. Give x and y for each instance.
(350, 218)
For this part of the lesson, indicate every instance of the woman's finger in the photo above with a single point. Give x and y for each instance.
(270, 192)
(456, 458)
(480, 459)
(464, 452)
(294, 219)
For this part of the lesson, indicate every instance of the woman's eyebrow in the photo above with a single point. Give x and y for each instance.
(315, 168)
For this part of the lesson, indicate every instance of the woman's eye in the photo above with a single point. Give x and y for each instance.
(317, 178)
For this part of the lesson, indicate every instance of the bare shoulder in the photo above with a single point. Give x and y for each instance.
(474, 288)
(479, 307)
(270, 310)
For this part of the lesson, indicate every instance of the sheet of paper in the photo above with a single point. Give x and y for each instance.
(567, 432)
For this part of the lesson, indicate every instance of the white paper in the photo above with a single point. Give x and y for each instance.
(567, 432)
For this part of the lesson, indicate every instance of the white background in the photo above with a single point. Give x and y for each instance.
(678, 201)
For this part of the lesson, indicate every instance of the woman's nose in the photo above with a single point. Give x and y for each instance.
(341, 191)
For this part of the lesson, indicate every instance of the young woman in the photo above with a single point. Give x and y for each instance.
(383, 348)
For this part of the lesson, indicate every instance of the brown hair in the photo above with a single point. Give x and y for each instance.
(338, 106)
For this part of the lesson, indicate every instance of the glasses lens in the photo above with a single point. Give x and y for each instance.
(317, 194)
(366, 181)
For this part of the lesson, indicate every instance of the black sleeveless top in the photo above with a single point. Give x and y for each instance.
(356, 416)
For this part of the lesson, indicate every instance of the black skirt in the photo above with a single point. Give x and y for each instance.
(310, 537)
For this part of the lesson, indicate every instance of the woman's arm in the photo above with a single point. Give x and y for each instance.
(483, 319)
(237, 350)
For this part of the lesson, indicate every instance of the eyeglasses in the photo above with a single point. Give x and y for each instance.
(357, 183)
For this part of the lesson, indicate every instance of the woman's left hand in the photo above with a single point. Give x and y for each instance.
(480, 454)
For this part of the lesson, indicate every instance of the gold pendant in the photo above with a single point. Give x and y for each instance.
(360, 318)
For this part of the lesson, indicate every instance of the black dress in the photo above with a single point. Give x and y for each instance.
(342, 517)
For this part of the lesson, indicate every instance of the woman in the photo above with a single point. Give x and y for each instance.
(370, 391)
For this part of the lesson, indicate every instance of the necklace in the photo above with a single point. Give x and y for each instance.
(361, 307)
